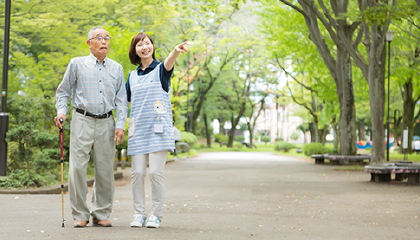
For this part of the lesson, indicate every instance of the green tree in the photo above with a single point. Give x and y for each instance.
(335, 56)
(37, 153)
(406, 68)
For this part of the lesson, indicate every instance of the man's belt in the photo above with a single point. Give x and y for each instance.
(86, 113)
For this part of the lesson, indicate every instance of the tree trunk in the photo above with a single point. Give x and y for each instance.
(361, 129)
(340, 70)
(231, 135)
(324, 134)
(409, 104)
(208, 135)
(252, 123)
(397, 130)
(376, 81)
(336, 134)
(251, 135)
(235, 122)
(347, 122)
(222, 125)
(314, 132)
(408, 112)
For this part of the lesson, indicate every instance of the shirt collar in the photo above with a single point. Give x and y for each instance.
(151, 66)
(95, 61)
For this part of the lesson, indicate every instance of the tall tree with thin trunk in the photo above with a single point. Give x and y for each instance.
(336, 58)
(335, 21)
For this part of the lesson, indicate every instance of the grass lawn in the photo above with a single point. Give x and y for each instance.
(393, 157)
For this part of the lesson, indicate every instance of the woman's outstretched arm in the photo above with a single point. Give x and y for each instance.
(170, 60)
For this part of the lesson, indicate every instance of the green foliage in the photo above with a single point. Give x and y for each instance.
(243, 126)
(283, 146)
(310, 84)
(265, 139)
(294, 136)
(198, 146)
(314, 148)
(278, 139)
(35, 159)
(238, 145)
(189, 138)
(382, 13)
(220, 138)
(20, 179)
(239, 138)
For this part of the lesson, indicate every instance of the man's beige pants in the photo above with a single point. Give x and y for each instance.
(94, 135)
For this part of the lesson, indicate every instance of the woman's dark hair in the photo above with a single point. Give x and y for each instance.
(132, 54)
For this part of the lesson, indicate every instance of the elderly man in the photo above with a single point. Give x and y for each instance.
(96, 85)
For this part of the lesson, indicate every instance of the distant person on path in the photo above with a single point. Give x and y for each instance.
(96, 85)
(150, 132)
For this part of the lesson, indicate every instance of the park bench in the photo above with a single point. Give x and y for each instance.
(320, 158)
(248, 145)
(381, 172)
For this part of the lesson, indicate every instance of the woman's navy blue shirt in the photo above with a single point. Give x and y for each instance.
(165, 77)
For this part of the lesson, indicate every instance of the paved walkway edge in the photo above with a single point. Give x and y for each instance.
(56, 189)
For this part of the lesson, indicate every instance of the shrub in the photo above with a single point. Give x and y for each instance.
(295, 135)
(239, 138)
(238, 145)
(279, 139)
(189, 138)
(283, 146)
(198, 146)
(220, 138)
(330, 149)
(265, 139)
(35, 150)
(314, 148)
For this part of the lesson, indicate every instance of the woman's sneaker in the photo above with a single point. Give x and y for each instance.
(153, 222)
(139, 221)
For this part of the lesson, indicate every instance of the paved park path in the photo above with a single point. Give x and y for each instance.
(233, 195)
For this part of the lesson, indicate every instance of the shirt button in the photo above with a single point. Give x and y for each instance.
(100, 68)
(100, 91)
(102, 103)
(100, 80)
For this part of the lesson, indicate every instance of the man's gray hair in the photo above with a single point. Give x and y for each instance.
(90, 34)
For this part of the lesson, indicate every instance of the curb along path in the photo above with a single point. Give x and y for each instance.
(56, 189)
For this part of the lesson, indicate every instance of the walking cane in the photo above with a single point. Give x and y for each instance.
(62, 172)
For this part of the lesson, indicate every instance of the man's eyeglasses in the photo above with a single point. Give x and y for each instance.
(100, 38)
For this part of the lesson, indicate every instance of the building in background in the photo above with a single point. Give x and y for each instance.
(278, 123)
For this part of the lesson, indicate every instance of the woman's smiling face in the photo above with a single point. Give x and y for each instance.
(144, 48)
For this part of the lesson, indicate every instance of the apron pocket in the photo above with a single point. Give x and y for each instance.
(131, 127)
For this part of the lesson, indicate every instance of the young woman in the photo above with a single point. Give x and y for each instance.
(150, 132)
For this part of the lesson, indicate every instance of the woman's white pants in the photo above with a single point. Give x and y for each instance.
(157, 162)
